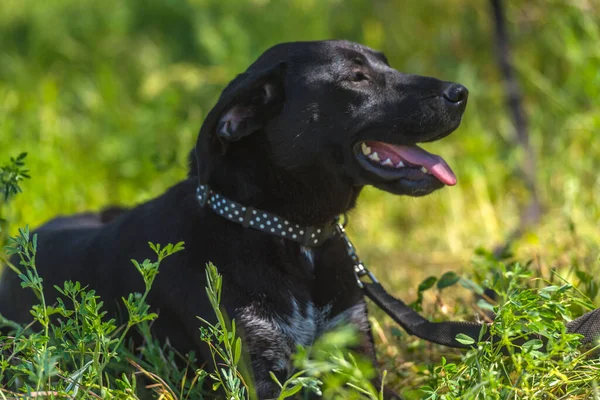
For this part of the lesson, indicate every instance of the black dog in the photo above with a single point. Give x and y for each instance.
(287, 148)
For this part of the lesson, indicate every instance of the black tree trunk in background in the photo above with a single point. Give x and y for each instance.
(530, 213)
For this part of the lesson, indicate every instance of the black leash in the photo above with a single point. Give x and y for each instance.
(414, 324)
(411, 321)
(445, 332)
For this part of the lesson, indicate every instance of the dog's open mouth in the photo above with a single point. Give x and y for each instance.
(394, 162)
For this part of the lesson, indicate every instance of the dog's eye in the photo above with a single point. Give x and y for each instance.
(359, 76)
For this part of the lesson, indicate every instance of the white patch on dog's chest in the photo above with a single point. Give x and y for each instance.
(305, 326)
(273, 337)
(309, 254)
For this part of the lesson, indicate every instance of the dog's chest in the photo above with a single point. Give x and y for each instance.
(307, 321)
(304, 324)
(300, 326)
(309, 257)
(301, 307)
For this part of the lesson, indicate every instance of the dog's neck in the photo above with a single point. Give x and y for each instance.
(304, 197)
(308, 205)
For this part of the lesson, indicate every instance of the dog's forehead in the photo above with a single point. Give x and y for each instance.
(302, 55)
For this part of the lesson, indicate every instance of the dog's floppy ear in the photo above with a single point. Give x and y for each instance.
(248, 115)
(243, 108)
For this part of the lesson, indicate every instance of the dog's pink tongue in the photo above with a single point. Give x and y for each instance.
(417, 156)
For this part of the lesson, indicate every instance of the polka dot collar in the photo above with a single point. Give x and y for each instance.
(250, 217)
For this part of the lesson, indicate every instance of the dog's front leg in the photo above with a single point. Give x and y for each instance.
(269, 349)
(367, 347)
(358, 315)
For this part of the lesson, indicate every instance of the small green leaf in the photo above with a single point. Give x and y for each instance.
(290, 392)
(237, 351)
(448, 279)
(469, 284)
(396, 332)
(464, 339)
(533, 344)
(275, 379)
(484, 305)
(427, 283)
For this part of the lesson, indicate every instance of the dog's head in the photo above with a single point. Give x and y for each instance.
(330, 114)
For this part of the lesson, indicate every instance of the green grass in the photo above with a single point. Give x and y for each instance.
(107, 99)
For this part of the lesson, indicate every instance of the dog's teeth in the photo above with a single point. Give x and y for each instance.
(375, 157)
(388, 162)
(400, 164)
(365, 149)
(424, 170)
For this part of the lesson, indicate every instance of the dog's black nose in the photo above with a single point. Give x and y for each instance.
(456, 93)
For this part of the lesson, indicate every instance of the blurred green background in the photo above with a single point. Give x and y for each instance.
(107, 98)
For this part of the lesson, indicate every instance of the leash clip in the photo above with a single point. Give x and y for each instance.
(360, 269)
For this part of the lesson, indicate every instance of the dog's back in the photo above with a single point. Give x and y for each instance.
(63, 242)
(66, 245)
(96, 250)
